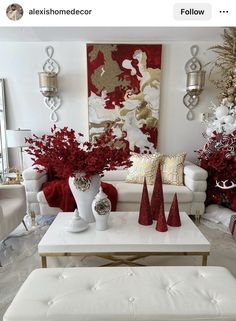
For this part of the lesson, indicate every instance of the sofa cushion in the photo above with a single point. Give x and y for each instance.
(131, 193)
(199, 197)
(144, 165)
(134, 207)
(45, 209)
(41, 197)
(172, 169)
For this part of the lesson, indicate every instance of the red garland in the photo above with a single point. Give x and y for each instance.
(63, 154)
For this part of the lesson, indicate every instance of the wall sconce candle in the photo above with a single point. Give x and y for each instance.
(48, 84)
(195, 82)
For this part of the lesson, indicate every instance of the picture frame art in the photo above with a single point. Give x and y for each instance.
(124, 92)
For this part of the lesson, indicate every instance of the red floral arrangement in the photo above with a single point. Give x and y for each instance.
(63, 154)
(218, 158)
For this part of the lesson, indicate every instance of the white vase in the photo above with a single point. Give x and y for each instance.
(84, 192)
(101, 207)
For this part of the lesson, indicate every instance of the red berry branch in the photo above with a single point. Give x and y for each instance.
(64, 154)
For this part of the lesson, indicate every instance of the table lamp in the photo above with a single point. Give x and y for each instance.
(16, 139)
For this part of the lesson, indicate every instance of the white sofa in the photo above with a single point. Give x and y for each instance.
(12, 208)
(191, 195)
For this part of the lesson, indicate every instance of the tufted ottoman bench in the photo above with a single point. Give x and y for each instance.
(124, 294)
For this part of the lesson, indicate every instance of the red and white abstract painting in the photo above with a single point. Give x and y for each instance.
(124, 92)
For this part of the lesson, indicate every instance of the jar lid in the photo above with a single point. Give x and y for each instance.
(100, 195)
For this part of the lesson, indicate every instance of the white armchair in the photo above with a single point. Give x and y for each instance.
(12, 208)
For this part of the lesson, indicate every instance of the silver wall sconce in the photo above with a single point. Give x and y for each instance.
(48, 84)
(195, 82)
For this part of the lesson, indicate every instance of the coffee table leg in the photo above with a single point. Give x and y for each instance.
(204, 260)
(44, 261)
(197, 217)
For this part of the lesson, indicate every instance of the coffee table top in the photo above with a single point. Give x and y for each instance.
(124, 235)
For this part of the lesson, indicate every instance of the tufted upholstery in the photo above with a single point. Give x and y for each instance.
(125, 294)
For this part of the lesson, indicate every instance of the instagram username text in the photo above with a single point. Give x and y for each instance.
(59, 12)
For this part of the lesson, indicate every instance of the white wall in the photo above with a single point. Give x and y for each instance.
(21, 62)
(176, 132)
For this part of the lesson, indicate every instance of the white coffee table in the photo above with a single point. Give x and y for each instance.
(125, 237)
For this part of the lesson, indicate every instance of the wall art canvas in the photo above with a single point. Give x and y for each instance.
(124, 92)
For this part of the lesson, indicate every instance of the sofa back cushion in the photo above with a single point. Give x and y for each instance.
(117, 175)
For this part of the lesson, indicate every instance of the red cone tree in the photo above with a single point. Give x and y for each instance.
(173, 217)
(157, 195)
(145, 215)
(161, 225)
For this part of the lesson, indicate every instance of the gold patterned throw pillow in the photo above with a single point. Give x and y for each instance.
(143, 166)
(172, 169)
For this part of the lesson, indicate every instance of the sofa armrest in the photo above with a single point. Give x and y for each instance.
(195, 172)
(195, 186)
(33, 180)
(12, 191)
(32, 174)
(195, 177)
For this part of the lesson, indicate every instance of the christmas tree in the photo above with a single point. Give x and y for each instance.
(218, 156)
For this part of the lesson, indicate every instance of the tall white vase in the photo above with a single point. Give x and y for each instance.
(84, 193)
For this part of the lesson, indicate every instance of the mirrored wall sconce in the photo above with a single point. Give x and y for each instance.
(48, 84)
(195, 82)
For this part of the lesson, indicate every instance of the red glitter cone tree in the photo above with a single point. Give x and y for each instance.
(173, 217)
(161, 225)
(145, 214)
(157, 195)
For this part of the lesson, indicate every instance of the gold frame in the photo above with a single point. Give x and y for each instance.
(132, 256)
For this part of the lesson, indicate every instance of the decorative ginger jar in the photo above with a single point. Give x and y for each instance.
(101, 207)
